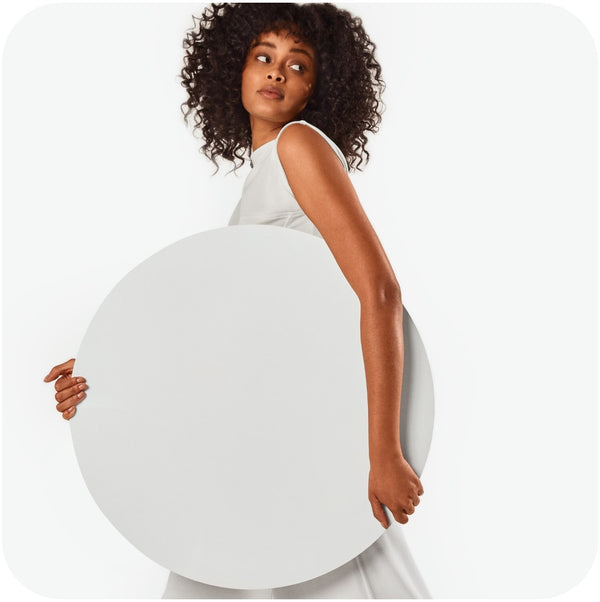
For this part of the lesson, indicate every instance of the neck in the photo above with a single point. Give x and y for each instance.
(263, 131)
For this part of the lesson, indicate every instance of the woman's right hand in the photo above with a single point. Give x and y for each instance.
(393, 482)
(69, 389)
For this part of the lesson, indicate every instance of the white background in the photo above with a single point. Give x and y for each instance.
(482, 188)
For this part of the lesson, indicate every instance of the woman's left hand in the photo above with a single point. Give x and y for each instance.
(393, 482)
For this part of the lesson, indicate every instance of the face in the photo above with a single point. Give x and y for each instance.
(278, 78)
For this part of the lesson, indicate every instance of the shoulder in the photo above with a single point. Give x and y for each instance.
(299, 140)
(298, 136)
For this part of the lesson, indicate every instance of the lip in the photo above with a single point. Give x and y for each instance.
(271, 92)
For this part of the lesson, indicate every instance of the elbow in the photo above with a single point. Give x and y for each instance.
(383, 293)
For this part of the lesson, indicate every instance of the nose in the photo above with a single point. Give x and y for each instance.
(276, 75)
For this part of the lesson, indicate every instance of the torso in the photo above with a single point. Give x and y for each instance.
(267, 197)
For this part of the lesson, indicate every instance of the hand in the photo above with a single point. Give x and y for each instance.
(393, 482)
(69, 389)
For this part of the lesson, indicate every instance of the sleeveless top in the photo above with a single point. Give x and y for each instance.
(267, 197)
(385, 569)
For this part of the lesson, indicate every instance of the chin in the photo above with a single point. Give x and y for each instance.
(272, 116)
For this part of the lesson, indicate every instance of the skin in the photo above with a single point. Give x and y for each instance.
(315, 173)
(70, 390)
(282, 62)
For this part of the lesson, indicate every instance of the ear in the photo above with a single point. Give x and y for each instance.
(311, 99)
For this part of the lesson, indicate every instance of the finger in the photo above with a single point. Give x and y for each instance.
(407, 507)
(64, 368)
(70, 391)
(67, 381)
(416, 501)
(420, 490)
(68, 414)
(378, 511)
(400, 516)
(70, 402)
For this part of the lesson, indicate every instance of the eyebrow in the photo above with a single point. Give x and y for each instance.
(297, 50)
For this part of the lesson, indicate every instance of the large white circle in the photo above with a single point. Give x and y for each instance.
(224, 433)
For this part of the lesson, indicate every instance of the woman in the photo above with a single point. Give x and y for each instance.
(298, 87)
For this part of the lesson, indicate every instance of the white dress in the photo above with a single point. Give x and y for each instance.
(385, 569)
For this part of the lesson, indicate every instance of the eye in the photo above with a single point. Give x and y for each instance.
(298, 67)
(263, 58)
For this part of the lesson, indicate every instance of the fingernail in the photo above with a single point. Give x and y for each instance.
(82, 386)
(80, 395)
(80, 380)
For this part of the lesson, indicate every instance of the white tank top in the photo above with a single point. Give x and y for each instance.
(385, 569)
(267, 197)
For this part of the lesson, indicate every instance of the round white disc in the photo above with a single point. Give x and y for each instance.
(224, 432)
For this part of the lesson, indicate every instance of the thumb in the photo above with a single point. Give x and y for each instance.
(65, 368)
(378, 511)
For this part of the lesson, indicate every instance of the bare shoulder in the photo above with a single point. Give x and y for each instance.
(323, 190)
(300, 142)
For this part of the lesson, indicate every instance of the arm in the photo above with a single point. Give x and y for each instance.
(325, 193)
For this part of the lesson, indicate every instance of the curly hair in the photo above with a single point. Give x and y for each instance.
(345, 104)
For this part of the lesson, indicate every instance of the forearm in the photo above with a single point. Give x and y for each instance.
(383, 353)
